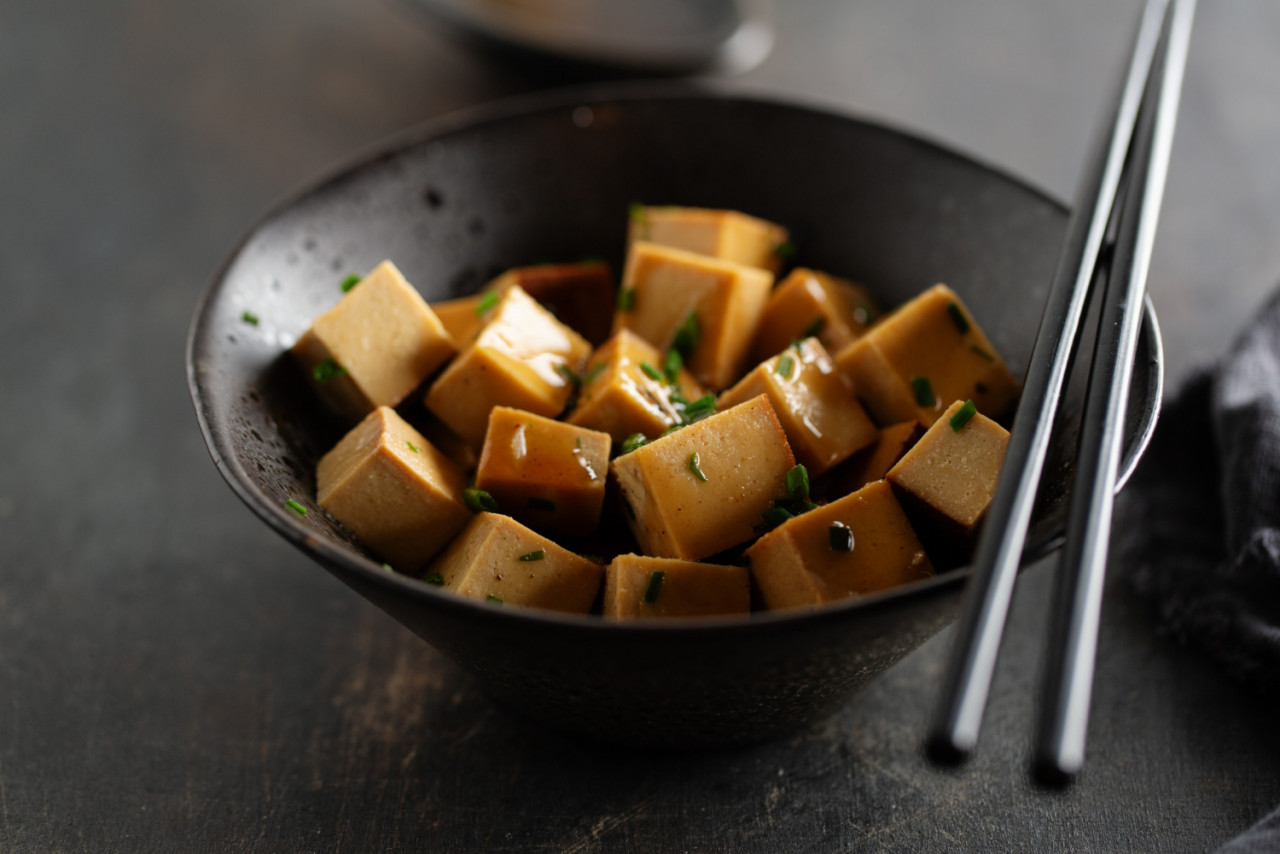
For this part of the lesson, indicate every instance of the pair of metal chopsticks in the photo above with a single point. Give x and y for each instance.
(1115, 216)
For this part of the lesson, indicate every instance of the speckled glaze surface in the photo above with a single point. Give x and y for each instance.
(550, 178)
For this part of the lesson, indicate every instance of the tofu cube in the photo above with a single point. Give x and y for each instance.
(581, 295)
(523, 358)
(621, 396)
(375, 346)
(637, 586)
(547, 474)
(874, 461)
(814, 401)
(703, 488)
(707, 307)
(729, 235)
(923, 356)
(860, 544)
(948, 479)
(400, 495)
(464, 317)
(497, 560)
(810, 303)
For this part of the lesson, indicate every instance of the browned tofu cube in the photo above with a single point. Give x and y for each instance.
(626, 390)
(706, 308)
(860, 544)
(923, 356)
(810, 303)
(375, 346)
(947, 480)
(636, 586)
(703, 488)
(523, 358)
(581, 295)
(874, 461)
(393, 489)
(497, 560)
(730, 235)
(824, 422)
(547, 474)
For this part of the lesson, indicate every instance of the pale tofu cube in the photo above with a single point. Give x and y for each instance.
(375, 346)
(499, 561)
(637, 586)
(860, 544)
(729, 235)
(545, 473)
(523, 358)
(946, 481)
(626, 390)
(918, 359)
(815, 402)
(707, 308)
(704, 488)
(393, 489)
(811, 303)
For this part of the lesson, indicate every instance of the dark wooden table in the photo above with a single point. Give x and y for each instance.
(174, 677)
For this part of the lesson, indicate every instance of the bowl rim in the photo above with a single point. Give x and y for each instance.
(343, 562)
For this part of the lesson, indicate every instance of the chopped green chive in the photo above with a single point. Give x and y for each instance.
(350, 282)
(785, 250)
(497, 600)
(327, 370)
(786, 366)
(775, 516)
(813, 329)
(594, 372)
(532, 556)
(565, 371)
(296, 507)
(250, 318)
(655, 586)
(627, 299)
(958, 318)
(688, 335)
(650, 371)
(542, 504)
(479, 500)
(840, 537)
(635, 212)
(635, 440)
(798, 482)
(412, 446)
(699, 409)
(962, 415)
(487, 302)
(673, 365)
(923, 390)
(388, 567)
(983, 353)
(577, 442)
(435, 578)
(696, 468)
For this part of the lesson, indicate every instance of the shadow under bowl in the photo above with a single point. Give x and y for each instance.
(550, 178)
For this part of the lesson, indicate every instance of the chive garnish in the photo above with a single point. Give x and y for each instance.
(983, 353)
(542, 504)
(698, 409)
(775, 516)
(567, 372)
(577, 442)
(594, 372)
(250, 318)
(785, 250)
(350, 282)
(635, 440)
(627, 299)
(635, 212)
(479, 500)
(840, 537)
(798, 482)
(532, 556)
(296, 507)
(813, 329)
(327, 370)
(412, 446)
(688, 335)
(962, 415)
(923, 390)
(958, 318)
(785, 367)
(487, 302)
(388, 567)
(435, 578)
(696, 468)
(494, 599)
(655, 585)
(650, 371)
(673, 365)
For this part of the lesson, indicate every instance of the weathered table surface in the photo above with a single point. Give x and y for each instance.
(174, 677)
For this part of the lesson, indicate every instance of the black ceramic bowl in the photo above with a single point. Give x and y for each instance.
(461, 199)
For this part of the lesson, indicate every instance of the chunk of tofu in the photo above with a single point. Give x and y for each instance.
(730, 235)
(620, 394)
(545, 473)
(716, 303)
(860, 544)
(927, 353)
(523, 358)
(580, 294)
(874, 461)
(811, 303)
(947, 480)
(815, 403)
(703, 488)
(464, 317)
(375, 346)
(497, 560)
(637, 586)
(395, 491)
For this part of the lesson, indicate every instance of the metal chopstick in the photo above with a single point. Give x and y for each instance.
(1060, 741)
(999, 551)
